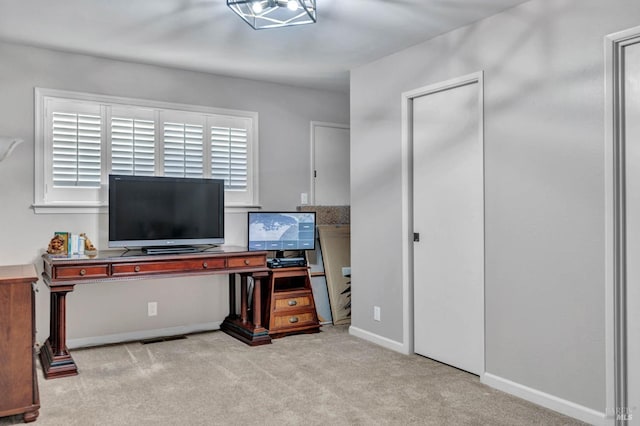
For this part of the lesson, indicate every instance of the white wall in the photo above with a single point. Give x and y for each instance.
(544, 136)
(119, 308)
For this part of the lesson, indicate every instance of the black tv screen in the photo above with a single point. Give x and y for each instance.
(164, 211)
(280, 231)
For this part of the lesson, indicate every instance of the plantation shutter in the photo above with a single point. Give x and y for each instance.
(230, 155)
(132, 142)
(183, 149)
(76, 160)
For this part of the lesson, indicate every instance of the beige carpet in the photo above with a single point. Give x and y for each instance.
(330, 378)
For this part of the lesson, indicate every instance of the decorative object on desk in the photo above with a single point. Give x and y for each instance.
(89, 248)
(7, 145)
(59, 244)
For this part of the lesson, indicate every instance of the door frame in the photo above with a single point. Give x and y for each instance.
(407, 200)
(312, 168)
(615, 224)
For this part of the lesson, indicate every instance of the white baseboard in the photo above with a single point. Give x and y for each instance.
(378, 340)
(85, 342)
(546, 400)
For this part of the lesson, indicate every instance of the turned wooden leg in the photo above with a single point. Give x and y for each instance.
(244, 303)
(54, 355)
(232, 295)
(257, 311)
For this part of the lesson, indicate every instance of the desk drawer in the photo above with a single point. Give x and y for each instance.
(75, 272)
(246, 261)
(292, 301)
(289, 321)
(145, 268)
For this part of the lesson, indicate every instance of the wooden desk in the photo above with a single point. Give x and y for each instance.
(61, 274)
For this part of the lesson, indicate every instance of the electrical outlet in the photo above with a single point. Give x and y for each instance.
(376, 313)
(304, 198)
(152, 309)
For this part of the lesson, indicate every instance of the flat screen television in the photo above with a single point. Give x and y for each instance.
(165, 214)
(280, 231)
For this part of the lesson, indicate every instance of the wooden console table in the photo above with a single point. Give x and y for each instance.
(61, 274)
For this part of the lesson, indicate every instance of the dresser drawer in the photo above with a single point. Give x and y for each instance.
(292, 301)
(74, 272)
(287, 321)
(246, 261)
(145, 268)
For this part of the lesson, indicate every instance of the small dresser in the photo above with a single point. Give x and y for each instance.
(290, 307)
(18, 379)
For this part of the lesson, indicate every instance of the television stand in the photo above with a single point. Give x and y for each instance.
(170, 250)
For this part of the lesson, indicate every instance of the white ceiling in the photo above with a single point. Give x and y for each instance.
(205, 35)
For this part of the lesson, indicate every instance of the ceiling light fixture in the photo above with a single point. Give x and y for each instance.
(261, 14)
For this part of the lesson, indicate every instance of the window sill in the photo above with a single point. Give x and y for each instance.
(69, 208)
(66, 208)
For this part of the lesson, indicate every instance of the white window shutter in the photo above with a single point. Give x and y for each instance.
(229, 156)
(183, 149)
(132, 145)
(76, 149)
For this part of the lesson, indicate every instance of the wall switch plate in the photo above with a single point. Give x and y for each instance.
(152, 309)
(376, 313)
(304, 198)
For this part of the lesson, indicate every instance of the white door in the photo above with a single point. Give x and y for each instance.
(330, 163)
(448, 213)
(632, 146)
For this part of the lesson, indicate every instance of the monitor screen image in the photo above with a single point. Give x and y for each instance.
(280, 231)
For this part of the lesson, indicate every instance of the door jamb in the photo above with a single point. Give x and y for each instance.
(615, 225)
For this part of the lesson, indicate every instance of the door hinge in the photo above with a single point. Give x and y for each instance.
(416, 237)
(315, 173)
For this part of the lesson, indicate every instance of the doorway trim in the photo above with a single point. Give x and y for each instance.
(615, 224)
(407, 200)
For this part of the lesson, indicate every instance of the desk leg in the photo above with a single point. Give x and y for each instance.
(251, 333)
(54, 356)
(232, 295)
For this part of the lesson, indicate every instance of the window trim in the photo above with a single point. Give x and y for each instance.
(41, 205)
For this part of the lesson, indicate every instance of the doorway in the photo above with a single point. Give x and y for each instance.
(623, 227)
(330, 164)
(447, 170)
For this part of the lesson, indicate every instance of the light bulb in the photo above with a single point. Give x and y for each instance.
(256, 6)
(292, 5)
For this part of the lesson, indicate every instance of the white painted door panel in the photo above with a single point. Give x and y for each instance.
(331, 164)
(448, 213)
(632, 145)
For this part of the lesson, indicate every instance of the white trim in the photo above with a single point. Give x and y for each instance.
(406, 205)
(546, 400)
(615, 303)
(378, 340)
(85, 342)
(312, 157)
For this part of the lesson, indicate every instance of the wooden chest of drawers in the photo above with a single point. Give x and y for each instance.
(18, 380)
(289, 304)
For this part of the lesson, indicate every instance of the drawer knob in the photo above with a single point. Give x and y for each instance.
(293, 320)
(205, 265)
(293, 302)
(246, 261)
(83, 272)
(137, 268)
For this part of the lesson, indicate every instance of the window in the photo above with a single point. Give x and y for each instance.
(82, 138)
